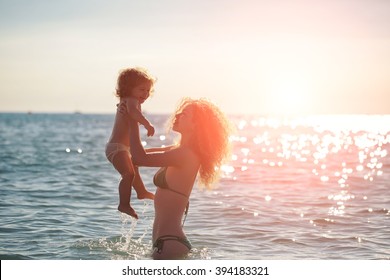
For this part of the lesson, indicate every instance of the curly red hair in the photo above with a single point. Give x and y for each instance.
(211, 137)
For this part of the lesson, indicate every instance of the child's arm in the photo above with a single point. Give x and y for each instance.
(134, 111)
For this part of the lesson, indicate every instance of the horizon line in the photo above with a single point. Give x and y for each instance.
(278, 115)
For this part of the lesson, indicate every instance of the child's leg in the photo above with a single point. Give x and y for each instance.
(139, 186)
(123, 164)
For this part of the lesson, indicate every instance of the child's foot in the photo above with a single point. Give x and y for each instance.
(127, 209)
(145, 195)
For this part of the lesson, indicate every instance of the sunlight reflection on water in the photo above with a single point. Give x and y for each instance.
(337, 150)
(298, 188)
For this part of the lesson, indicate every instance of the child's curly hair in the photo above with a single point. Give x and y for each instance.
(131, 77)
(211, 137)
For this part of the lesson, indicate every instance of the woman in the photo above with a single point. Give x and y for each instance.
(203, 146)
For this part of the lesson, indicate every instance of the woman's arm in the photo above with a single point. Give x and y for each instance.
(160, 149)
(172, 157)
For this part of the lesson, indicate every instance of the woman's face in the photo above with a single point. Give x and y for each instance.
(184, 120)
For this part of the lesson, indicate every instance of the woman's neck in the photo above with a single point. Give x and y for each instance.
(186, 140)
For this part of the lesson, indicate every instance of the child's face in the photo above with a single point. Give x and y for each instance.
(142, 91)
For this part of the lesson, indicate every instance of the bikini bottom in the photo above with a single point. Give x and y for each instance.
(112, 149)
(159, 243)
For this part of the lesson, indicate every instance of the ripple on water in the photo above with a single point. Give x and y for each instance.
(115, 248)
(294, 189)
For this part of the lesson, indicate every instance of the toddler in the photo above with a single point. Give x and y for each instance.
(134, 86)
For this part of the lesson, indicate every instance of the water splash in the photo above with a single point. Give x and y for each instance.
(126, 246)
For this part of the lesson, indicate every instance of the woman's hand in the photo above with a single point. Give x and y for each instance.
(122, 108)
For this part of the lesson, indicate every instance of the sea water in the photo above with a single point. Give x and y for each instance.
(315, 187)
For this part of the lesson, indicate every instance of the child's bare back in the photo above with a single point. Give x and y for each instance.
(120, 130)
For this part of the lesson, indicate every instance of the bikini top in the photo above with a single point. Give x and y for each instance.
(160, 181)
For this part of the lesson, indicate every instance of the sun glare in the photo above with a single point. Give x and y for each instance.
(288, 93)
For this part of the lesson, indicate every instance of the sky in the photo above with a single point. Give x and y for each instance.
(278, 57)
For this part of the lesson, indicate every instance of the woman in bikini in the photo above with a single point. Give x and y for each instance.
(202, 148)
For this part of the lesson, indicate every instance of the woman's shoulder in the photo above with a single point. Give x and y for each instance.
(186, 153)
(183, 149)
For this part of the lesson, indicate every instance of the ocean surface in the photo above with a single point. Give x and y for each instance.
(309, 188)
